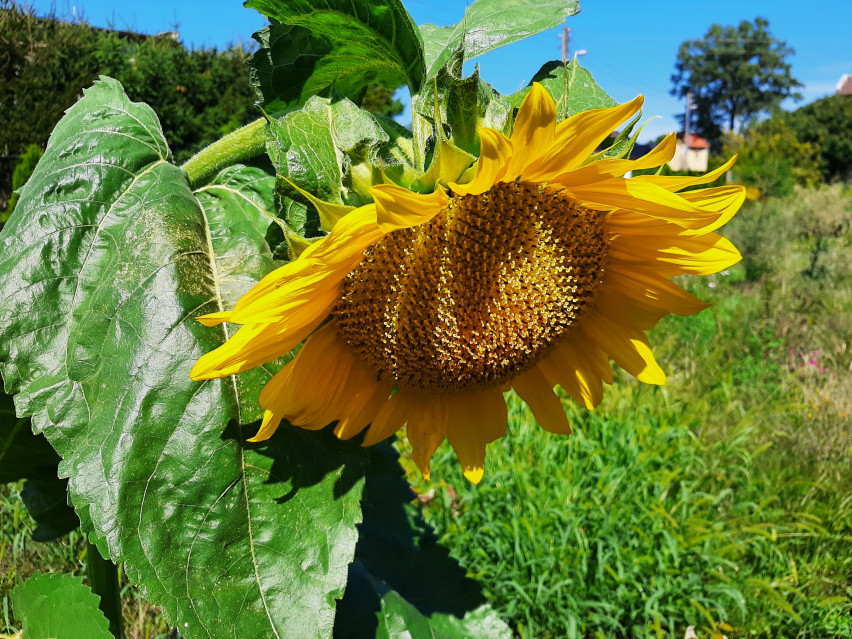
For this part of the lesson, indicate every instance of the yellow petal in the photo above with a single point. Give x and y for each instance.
(399, 208)
(576, 138)
(615, 167)
(389, 419)
(495, 153)
(272, 417)
(533, 131)
(268, 426)
(646, 198)
(720, 205)
(626, 345)
(678, 183)
(565, 376)
(613, 302)
(363, 410)
(535, 389)
(426, 427)
(646, 285)
(708, 210)
(579, 367)
(312, 279)
(476, 419)
(325, 382)
(672, 255)
(251, 346)
(214, 319)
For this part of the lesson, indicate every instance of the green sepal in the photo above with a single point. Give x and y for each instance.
(448, 165)
(321, 146)
(329, 213)
(624, 142)
(454, 108)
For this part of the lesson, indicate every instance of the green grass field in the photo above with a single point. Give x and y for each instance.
(721, 501)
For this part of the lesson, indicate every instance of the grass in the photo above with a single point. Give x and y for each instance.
(721, 501)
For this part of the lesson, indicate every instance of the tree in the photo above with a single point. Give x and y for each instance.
(827, 125)
(45, 63)
(733, 74)
(380, 100)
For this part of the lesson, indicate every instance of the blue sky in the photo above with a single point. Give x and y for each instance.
(631, 45)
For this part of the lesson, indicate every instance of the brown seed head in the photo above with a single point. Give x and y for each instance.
(477, 294)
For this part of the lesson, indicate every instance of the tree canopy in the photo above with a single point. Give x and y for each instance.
(45, 63)
(827, 125)
(733, 73)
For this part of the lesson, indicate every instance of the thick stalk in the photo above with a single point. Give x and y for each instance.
(103, 579)
(239, 146)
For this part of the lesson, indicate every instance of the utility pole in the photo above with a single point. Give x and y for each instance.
(566, 41)
(686, 130)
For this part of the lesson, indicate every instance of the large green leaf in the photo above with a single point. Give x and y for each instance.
(59, 607)
(490, 24)
(572, 86)
(327, 149)
(104, 265)
(47, 503)
(23, 455)
(343, 44)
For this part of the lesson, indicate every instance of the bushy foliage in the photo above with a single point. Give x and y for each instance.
(379, 100)
(46, 63)
(23, 170)
(771, 157)
(827, 125)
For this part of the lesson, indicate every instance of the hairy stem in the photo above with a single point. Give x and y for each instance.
(239, 146)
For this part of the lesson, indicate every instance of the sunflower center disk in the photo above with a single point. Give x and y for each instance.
(477, 294)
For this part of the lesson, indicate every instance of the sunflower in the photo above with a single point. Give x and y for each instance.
(534, 269)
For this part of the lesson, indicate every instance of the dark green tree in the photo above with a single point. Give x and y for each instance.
(23, 170)
(733, 74)
(380, 100)
(827, 125)
(46, 63)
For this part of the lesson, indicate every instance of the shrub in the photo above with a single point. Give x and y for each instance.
(826, 124)
(771, 158)
(23, 170)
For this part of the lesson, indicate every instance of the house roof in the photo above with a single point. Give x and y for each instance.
(844, 87)
(695, 142)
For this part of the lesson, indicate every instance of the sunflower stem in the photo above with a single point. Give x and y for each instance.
(103, 579)
(239, 146)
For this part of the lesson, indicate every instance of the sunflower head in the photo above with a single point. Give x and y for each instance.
(536, 270)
